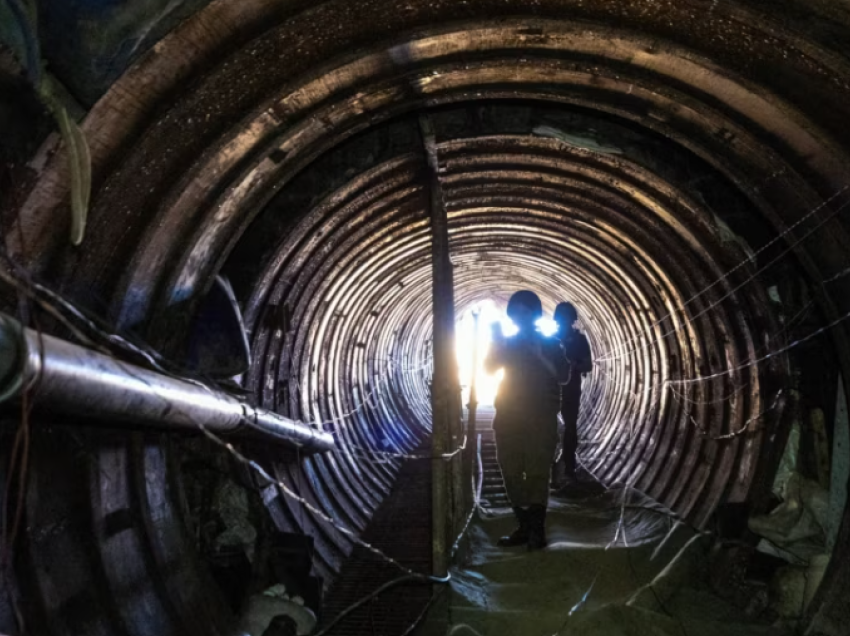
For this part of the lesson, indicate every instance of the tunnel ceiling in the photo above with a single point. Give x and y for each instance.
(678, 169)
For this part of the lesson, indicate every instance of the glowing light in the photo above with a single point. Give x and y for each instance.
(466, 338)
(547, 326)
(508, 327)
(466, 335)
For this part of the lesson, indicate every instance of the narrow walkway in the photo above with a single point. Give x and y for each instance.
(617, 564)
(401, 528)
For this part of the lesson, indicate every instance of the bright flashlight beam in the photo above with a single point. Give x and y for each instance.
(547, 326)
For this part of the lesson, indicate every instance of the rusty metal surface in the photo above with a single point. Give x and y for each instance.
(287, 165)
(573, 245)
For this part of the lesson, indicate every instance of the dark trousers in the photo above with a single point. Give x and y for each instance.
(526, 443)
(569, 413)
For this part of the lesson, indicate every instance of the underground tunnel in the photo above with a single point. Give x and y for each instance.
(233, 211)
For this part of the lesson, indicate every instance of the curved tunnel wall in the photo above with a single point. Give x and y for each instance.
(524, 212)
(292, 164)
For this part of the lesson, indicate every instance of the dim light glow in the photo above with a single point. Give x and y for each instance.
(466, 336)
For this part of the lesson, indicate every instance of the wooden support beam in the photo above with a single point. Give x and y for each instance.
(447, 491)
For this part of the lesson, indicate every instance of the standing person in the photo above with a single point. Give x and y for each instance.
(526, 422)
(577, 351)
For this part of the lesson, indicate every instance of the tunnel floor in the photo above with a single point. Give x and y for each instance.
(401, 528)
(615, 565)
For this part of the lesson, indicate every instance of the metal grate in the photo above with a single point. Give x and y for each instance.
(401, 527)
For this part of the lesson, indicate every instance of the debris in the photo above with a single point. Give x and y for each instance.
(578, 141)
(231, 503)
(263, 609)
(277, 591)
(798, 524)
(794, 587)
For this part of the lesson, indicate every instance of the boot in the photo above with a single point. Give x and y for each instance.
(536, 527)
(520, 535)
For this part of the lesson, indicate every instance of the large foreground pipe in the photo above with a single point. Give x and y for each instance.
(69, 378)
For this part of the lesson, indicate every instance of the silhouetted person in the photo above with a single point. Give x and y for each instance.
(526, 422)
(577, 351)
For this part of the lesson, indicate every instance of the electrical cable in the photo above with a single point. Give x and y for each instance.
(424, 612)
(750, 258)
(427, 578)
(644, 345)
(476, 499)
(476, 492)
(745, 365)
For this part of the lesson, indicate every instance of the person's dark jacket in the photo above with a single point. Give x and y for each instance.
(577, 351)
(528, 383)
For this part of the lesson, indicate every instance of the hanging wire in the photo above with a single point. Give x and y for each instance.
(364, 452)
(152, 359)
(476, 498)
(724, 399)
(749, 260)
(417, 578)
(772, 354)
(289, 493)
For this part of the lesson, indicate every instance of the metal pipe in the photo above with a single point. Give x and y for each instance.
(73, 379)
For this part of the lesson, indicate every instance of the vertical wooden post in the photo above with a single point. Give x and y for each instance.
(445, 389)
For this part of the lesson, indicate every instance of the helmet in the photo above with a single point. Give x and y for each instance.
(527, 299)
(565, 314)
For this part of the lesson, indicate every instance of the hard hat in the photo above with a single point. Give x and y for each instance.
(565, 313)
(527, 299)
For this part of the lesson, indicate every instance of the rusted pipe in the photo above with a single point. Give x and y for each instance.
(68, 378)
